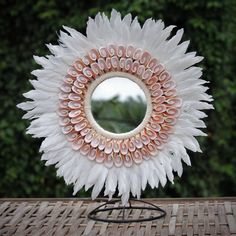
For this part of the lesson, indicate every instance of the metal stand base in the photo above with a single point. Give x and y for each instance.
(93, 215)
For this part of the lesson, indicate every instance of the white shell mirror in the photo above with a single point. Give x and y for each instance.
(162, 90)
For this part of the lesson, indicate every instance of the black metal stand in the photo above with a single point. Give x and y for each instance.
(151, 207)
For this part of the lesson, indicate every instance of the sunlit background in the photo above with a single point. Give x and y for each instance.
(120, 87)
(26, 26)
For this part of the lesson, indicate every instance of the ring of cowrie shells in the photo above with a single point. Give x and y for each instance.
(91, 140)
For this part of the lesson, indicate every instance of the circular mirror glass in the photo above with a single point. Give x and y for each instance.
(118, 105)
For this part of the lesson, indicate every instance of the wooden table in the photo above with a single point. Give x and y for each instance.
(195, 216)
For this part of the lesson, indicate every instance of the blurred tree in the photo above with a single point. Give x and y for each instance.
(27, 25)
(119, 116)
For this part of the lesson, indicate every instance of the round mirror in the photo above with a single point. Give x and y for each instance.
(118, 105)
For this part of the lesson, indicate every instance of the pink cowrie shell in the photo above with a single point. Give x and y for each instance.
(128, 160)
(159, 100)
(134, 66)
(74, 97)
(67, 129)
(159, 108)
(102, 64)
(144, 138)
(128, 64)
(93, 54)
(157, 93)
(152, 63)
(89, 136)
(63, 96)
(86, 60)
(150, 133)
(155, 86)
(74, 113)
(82, 79)
(123, 148)
(173, 112)
(176, 102)
(85, 131)
(166, 128)
(77, 144)
(65, 121)
(129, 51)
(118, 160)
(63, 104)
(79, 85)
(154, 126)
(158, 143)
(145, 153)
(63, 112)
(74, 105)
(103, 52)
(126, 141)
(92, 154)
(122, 63)
(169, 85)
(72, 72)
(76, 120)
(108, 63)
(112, 50)
(162, 136)
(145, 58)
(85, 149)
(115, 62)
(152, 80)
(71, 137)
(137, 54)
(140, 70)
(147, 74)
(137, 157)
(100, 157)
(121, 51)
(65, 88)
(95, 68)
(137, 141)
(170, 93)
(164, 76)
(102, 144)
(76, 90)
(68, 80)
(152, 149)
(79, 65)
(158, 69)
(158, 118)
(131, 146)
(109, 161)
(80, 126)
(95, 140)
(87, 71)
(170, 120)
(108, 147)
(116, 146)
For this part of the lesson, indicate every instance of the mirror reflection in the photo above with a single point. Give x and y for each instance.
(118, 105)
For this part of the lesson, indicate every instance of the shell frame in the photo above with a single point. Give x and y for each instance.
(91, 140)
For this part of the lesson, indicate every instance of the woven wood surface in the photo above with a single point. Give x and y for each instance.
(69, 217)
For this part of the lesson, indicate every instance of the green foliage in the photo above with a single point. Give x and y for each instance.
(27, 25)
(119, 116)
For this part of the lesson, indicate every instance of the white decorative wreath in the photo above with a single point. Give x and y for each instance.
(85, 153)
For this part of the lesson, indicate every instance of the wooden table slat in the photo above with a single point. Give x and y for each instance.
(187, 217)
